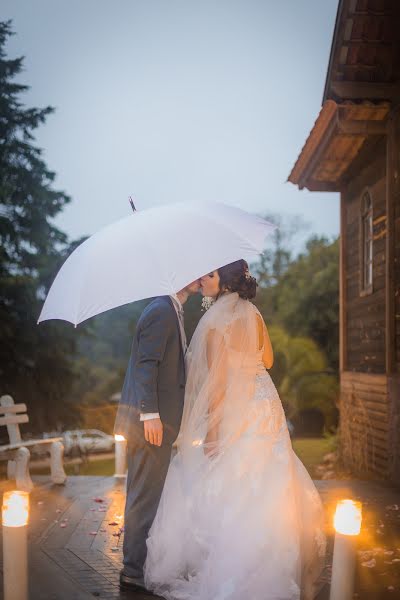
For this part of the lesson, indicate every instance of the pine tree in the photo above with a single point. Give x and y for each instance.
(35, 361)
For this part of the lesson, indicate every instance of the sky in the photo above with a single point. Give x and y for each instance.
(176, 100)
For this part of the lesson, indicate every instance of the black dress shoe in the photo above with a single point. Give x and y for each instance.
(133, 585)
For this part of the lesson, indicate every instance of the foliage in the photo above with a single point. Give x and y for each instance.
(301, 376)
(308, 302)
(299, 299)
(100, 416)
(36, 362)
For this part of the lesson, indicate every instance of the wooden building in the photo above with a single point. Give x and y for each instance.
(354, 149)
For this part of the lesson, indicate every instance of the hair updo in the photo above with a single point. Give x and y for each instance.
(235, 277)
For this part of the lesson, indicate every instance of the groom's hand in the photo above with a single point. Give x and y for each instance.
(153, 431)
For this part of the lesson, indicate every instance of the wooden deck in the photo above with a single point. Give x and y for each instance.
(75, 538)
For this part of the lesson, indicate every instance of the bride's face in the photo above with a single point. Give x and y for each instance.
(210, 284)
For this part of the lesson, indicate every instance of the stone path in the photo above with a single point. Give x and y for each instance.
(75, 538)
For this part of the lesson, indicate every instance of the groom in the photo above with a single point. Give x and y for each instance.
(149, 417)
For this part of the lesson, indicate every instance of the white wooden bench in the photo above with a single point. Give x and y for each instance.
(17, 453)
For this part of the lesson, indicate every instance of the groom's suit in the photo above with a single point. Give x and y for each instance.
(154, 383)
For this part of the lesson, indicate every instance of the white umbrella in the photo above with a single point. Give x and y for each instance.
(152, 252)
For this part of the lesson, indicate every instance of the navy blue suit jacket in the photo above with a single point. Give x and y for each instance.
(155, 377)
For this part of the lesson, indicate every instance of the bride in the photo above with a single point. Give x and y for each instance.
(239, 516)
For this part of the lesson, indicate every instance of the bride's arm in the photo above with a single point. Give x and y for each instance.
(263, 340)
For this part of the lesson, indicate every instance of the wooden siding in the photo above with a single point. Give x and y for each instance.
(365, 314)
(394, 431)
(364, 423)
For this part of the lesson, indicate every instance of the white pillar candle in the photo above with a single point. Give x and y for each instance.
(120, 456)
(15, 515)
(347, 522)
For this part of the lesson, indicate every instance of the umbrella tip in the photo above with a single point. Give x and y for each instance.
(132, 204)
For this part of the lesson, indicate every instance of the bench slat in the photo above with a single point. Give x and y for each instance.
(13, 420)
(15, 408)
(27, 443)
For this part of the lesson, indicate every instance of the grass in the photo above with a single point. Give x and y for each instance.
(104, 467)
(311, 451)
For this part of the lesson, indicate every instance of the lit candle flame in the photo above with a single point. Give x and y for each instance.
(119, 438)
(15, 510)
(348, 516)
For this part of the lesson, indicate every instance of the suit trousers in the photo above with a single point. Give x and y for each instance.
(147, 470)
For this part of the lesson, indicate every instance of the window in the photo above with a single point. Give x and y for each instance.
(366, 243)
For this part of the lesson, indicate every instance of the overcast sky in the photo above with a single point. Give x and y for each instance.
(175, 100)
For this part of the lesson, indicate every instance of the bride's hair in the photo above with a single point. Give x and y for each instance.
(236, 277)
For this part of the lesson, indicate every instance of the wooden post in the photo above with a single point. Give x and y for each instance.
(393, 376)
(342, 288)
(392, 186)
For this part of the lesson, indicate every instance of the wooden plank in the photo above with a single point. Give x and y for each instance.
(370, 163)
(363, 437)
(14, 420)
(360, 381)
(373, 397)
(379, 401)
(379, 408)
(364, 428)
(28, 443)
(364, 345)
(370, 14)
(375, 298)
(319, 151)
(378, 456)
(369, 416)
(352, 90)
(368, 363)
(361, 128)
(376, 381)
(378, 43)
(370, 329)
(372, 437)
(15, 408)
(368, 321)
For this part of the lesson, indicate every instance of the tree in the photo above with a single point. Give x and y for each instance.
(275, 261)
(35, 362)
(308, 297)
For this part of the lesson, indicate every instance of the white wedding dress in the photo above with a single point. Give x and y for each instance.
(239, 517)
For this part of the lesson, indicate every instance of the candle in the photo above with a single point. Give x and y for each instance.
(15, 516)
(120, 456)
(347, 523)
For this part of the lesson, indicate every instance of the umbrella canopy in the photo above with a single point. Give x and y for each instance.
(152, 252)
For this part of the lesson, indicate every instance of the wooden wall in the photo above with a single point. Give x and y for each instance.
(370, 330)
(364, 417)
(393, 292)
(365, 315)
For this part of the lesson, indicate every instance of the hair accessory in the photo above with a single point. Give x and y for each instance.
(247, 274)
(207, 303)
